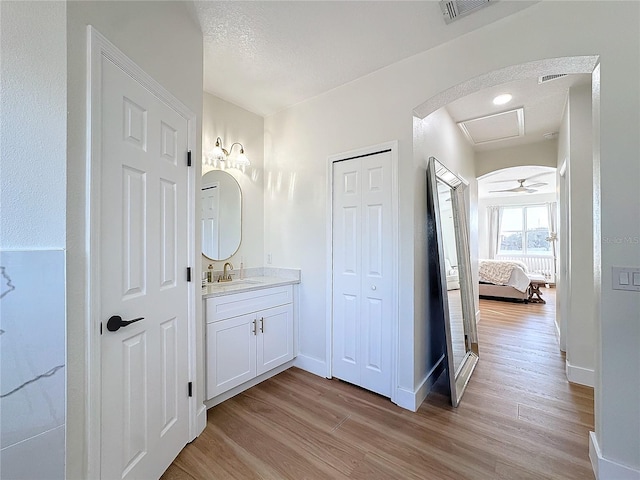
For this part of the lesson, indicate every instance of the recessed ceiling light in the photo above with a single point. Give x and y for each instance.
(502, 99)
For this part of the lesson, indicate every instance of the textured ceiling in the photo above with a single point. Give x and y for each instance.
(266, 56)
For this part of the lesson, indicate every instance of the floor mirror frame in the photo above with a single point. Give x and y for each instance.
(436, 171)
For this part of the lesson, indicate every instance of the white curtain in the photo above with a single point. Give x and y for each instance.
(552, 211)
(495, 221)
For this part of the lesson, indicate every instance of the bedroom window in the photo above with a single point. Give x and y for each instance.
(524, 231)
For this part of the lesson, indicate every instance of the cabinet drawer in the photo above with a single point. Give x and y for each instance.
(228, 306)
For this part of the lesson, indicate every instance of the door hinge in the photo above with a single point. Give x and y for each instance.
(188, 274)
(189, 158)
(190, 388)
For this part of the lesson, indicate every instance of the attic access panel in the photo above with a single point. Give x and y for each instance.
(493, 128)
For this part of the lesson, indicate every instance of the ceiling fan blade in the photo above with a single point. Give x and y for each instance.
(504, 181)
(542, 174)
(514, 180)
(539, 184)
(515, 190)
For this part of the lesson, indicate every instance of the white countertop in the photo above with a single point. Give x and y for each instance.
(246, 285)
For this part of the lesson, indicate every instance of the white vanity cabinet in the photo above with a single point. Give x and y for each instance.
(248, 334)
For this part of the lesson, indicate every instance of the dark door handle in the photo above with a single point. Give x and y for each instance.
(115, 322)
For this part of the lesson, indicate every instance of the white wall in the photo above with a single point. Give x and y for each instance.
(33, 171)
(483, 213)
(378, 108)
(166, 42)
(234, 124)
(33, 128)
(539, 153)
(580, 327)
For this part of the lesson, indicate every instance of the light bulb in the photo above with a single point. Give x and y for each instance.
(502, 99)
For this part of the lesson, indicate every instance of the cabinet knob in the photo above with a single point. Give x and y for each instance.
(373, 287)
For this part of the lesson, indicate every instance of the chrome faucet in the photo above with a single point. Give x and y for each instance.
(226, 277)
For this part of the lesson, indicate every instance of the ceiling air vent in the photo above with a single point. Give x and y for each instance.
(548, 78)
(454, 9)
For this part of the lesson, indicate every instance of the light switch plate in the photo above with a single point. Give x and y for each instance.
(626, 278)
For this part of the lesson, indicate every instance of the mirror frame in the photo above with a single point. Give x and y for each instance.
(202, 184)
(459, 379)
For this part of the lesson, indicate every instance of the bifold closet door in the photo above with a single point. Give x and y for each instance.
(362, 277)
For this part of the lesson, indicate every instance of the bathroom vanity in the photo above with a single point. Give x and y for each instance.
(251, 327)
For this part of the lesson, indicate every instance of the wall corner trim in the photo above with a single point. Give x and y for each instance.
(580, 375)
(412, 400)
(606, 469)
(311, 365)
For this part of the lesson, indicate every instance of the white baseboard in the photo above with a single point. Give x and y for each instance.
(412, 400)
(606, 469)
(311, 365)
(212, 402)
(579, 375)
(559, 336)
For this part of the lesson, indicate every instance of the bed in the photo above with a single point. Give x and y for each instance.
(509, 280)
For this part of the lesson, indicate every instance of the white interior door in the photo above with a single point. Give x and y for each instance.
(362, 272)
(211, 219)
(143, 258)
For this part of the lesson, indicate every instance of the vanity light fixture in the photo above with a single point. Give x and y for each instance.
(502, 99)
(221, 156)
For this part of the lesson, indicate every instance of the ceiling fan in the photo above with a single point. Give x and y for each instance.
(521, 188)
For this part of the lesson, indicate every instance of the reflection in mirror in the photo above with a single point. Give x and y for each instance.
(451, 273)
(221, 215)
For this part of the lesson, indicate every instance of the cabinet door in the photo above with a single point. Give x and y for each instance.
(275, 337)
(231, 353)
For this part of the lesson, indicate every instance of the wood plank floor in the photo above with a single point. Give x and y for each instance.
(519, 419)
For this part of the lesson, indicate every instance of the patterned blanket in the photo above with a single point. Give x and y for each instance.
(498, 272)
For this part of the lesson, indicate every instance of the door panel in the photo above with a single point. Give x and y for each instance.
(169, 374)
(143, 232)
(275, 337)
(234, 344)
(347, 262)
(374, 345)
(377, 287)
(134, 190)
(348, 345)
(135, 411)
(373, 235)
(168, 234)
(362, 271)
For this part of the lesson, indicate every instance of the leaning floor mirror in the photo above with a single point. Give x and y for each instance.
(450, 273)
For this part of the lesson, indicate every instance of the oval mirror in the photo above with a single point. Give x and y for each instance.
(221, 215)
